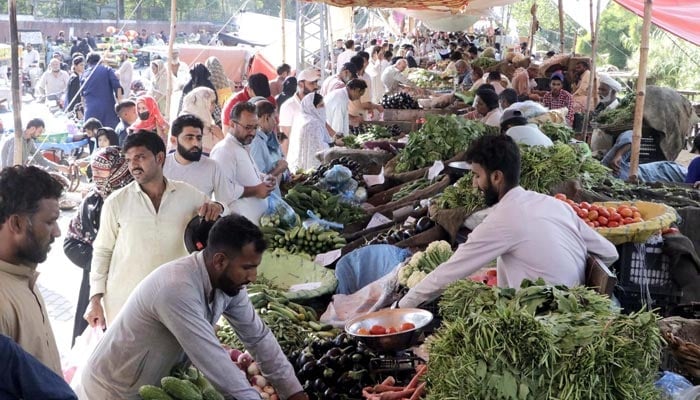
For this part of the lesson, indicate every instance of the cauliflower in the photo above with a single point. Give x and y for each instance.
(415, 278)
(405, 272)
(436, 254)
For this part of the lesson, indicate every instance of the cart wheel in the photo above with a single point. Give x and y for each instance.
(74, 177)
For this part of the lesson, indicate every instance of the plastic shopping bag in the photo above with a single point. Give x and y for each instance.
(279, 213)
(79, 354)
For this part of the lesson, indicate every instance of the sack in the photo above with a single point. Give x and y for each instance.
(279, 213)
(74, 363)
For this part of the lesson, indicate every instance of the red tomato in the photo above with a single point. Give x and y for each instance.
(576, 209)
(627, 221)
(603, 212)
(589, 223)
(585, 205)
(603, 221)
(626, 212)
(362, 331)
(596, 224)
(407, 326)
(636, 214)
(615, 217)
(613, 224)
(611, 210)
(391, 330)
(377, 330)
(583, 214)
(637, 219)
(593, 215)
(560, 196)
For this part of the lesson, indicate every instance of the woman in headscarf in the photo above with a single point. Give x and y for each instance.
(199, 76)
(200, 102)
(289, 87)
(110, 172)
(309, 134)
(159, 83)
(150, 118)
(222, 85)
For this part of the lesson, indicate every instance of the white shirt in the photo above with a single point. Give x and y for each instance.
(238, 165)
(391, 77)
(337, 103)
(289, 110)
(531, 236)
(330, 84)
(206, 176)
(493, 118)
(126, 73)
(343, 58)
(29, 58)
(170, 314)
(53, 84)
(134, 239)
(530, 135)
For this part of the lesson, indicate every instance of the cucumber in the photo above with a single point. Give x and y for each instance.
(212, 394)
(150, 392)
(181, 389)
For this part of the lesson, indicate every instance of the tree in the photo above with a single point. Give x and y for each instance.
(618, 36)
(548, 17)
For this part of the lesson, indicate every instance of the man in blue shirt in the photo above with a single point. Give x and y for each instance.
(101, 91)
(23, 377)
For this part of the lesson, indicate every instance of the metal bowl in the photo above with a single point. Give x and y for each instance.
(390, 318)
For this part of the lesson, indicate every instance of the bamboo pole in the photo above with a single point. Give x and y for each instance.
(641, 92)
(283, 16)
(16, 94)
(595, 25)
(573, 49)
(561, 27)
(531, 41)
(169, 90)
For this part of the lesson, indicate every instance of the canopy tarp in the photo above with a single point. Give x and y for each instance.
(422, 4)
(445, 20)
(680, 17)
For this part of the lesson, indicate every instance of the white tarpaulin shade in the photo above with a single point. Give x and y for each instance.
(580, 10)
(444, 20)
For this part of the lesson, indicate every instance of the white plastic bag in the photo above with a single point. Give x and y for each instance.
(85, 344)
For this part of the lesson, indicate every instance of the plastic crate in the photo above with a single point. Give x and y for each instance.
(650, 150)
(55, 138)
(644, 277)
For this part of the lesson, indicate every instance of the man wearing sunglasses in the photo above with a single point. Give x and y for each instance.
(234, 158)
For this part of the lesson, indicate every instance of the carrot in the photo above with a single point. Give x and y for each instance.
(419, 392)
(389, 381)
(369, 396)
(396, 395)
(387, 388)
(420, 371)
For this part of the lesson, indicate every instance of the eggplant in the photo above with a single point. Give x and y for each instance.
(308, 370)
(328, 373)
(341, 340)
(305, 358)
(355, 391)
(319, 385)
(334, 352)
(423, 224)
(331, 394)
(406, 234)
(357, 357)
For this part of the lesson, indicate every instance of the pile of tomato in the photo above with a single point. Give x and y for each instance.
(380, 330)
(603, 217)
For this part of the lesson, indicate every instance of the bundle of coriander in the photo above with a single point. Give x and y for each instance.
(542, 342)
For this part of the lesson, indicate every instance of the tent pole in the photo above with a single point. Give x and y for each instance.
(169, 91)
(641, 92)
(561, 26)
(16, 95)
(283, 16)
(594, 81)
(533, 26)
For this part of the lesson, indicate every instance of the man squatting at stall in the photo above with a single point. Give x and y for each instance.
(171, 314)
(552, 244)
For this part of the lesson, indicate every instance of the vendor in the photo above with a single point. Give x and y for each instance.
(393, 76)
(531, 235)
(608, 88)
(516, 126)
(170, 318)
(618, 159)
(693, 175)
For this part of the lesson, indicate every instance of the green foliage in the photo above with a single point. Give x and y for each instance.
(548, 16)
(618, 36)
(672, 62)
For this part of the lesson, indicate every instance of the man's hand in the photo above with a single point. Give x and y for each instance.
(280, 167)
(263, 190)
(95, 315)
(211, 211)
(615, 163)
(379, 108)
(216, 132)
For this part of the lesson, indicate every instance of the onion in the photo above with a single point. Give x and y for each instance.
(269, 389)
(259, 380)
(235, 353)
(244, 360)
(253, 369)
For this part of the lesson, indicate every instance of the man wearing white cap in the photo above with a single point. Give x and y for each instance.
(607, 92)
(307, 82)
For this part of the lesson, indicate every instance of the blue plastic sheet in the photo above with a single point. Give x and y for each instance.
(365, 265)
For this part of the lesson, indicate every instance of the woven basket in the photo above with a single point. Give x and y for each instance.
(614, 129)
(683, 336)
(656, 216)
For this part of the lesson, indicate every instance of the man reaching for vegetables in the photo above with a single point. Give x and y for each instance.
(171, 314)
(530, 234)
